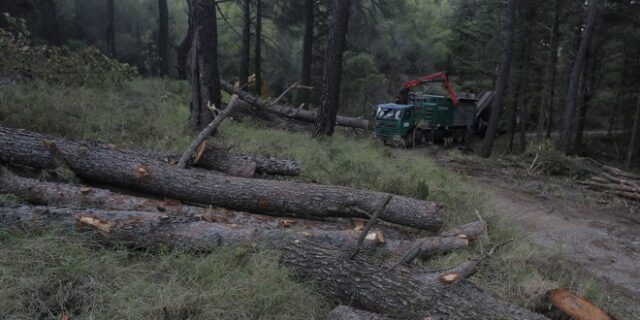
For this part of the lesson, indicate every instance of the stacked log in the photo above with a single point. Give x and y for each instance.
(316, 230)
(616, 182)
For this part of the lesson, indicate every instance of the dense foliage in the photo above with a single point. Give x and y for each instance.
(20, 58)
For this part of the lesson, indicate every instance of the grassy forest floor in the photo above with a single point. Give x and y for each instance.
(44, 273)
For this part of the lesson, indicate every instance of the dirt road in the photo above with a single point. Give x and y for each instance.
(603, 243)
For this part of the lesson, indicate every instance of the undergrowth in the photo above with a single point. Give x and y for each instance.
(152, 114)
(53, 274)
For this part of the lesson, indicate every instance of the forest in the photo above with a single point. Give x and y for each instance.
(319, 159)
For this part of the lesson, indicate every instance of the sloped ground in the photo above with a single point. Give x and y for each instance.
(599, 235)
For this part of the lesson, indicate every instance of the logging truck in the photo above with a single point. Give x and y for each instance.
(419, 118)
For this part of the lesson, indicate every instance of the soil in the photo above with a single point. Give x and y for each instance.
(600, 235)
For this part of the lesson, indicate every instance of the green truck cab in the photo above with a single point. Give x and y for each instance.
(425, 119)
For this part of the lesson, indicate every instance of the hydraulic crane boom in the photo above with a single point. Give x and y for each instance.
(440, 76)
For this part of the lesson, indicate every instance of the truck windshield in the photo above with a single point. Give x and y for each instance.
(389, 114)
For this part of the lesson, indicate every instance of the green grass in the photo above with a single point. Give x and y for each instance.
(47, 274)
(152, 114)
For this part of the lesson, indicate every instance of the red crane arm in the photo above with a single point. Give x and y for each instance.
(440, 76)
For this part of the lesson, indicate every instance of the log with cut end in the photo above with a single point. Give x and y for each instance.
(340, 232)
(253, 195)
(358, 282)
(291, 112)
(563, 304)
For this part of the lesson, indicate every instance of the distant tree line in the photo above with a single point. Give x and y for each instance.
(557, 66)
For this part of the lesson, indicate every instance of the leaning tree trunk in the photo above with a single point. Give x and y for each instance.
(574, 80)
(501, 86)
(254, 195)
(258, 48)
(182, 50)
(291, 112)
(111, 32)
(163, 36)
(546, 108)
(205, 77)
(245, 45)
(307, 54)
(332, 70)
(356, 281)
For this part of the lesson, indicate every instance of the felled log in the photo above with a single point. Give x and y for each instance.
(341, 233)
(290, 112)
(253, 195)
(197, 143)
(562, 304)
(620, 173)
(358, 282)
(349, 313)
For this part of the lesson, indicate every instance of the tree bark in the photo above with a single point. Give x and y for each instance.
(187, 156)
(258, 49)
(205, 77)
(182, 50)
(111, 32)
(544, 115)
(578, 66)
(307, 54)
(163, 36)
(246, 45)
(342, 233)
(501, 86)
(332, 70)
(253, 195)
(633, 142)
(358, 282)
(291, 112)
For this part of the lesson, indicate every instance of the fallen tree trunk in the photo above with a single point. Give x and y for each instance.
(216, 157)
(357, 281)
(290, 112)
(341, 233)
(253, 195)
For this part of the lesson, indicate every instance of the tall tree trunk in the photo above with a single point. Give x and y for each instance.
(633, 144)
(111, 29)
(49, 22)
(205, 77)
(574, 80)
(521, 92)
(182, 50)
(545, 112)
(501, 86)
(163, 36)
(258, 48)
(246, 44)
(307, 54)
(332, 70)
(591, 81)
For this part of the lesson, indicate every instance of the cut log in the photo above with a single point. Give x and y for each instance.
(349, 313)
(208, 131)
(252, 195)
(291, 112)
(340, 232)
(563, 304)
(358, 282)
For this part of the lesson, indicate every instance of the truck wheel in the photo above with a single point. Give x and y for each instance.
(410, 140)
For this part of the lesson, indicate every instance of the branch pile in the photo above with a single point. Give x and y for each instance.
(616, 182)
(334, 236)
